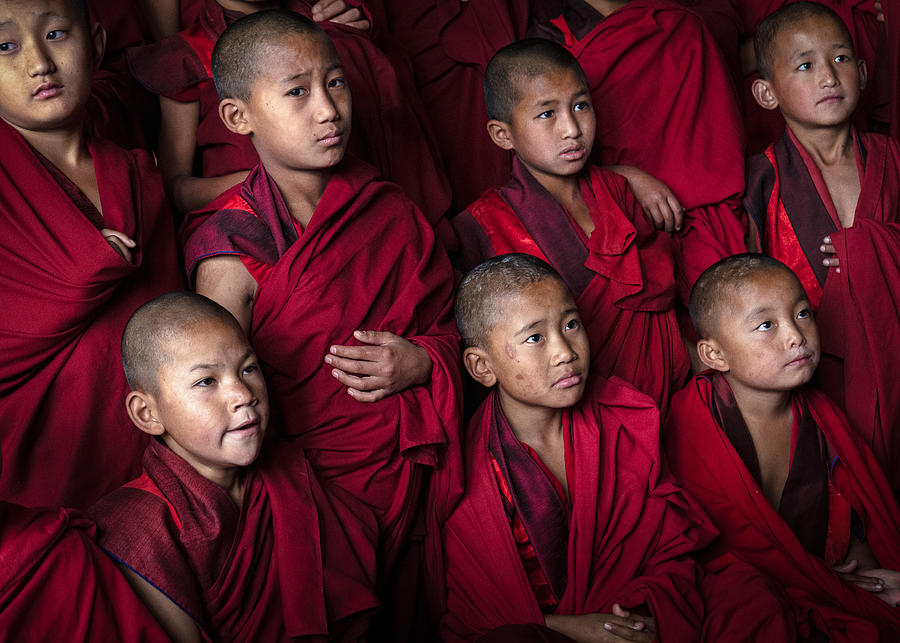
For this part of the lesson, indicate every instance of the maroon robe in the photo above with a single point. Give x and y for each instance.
(857, 307)
(709, 467)
(628, 540)
(66, 296)
(666, 104)
(55, 583)
(291, 561)
(367, 260)
(387, 130)
(623, 276)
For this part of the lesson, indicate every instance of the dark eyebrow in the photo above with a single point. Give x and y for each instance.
(291, 79)
(801, 54)
(756, 311)
(528, 327)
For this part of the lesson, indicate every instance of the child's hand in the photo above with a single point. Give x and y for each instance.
(389, 364)
(890, 583)
(827, 248)
(340, 11)
(120, 243)
(848, 571)
(879, 14)
(621, 625)
(660, 204)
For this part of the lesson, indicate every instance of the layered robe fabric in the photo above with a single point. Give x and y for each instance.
(66, 296)
(857, 307)
(388, 125)
(367, 260)
(666, 104)
(628, 539)
(449, 44)
(56, 583)
(709, 468)
(292, 561)
(623, 276)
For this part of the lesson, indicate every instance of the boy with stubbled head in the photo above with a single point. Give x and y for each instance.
(207, 536)
(543, 536)
(335, 275)
(584, 220)
(88, 238)
(792, 489)
(826, 200)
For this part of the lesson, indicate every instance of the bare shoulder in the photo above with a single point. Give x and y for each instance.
(225, 279)
(174, 620)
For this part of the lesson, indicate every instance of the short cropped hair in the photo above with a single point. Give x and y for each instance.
(764, 41)
(480, 294)
(713, 286)
(513, 64)
(157, 323)
(236, 56)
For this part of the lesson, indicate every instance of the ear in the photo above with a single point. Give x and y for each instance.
(500, 134)
(863, 74)
(764, 95)
(98, 42)
(234, 113)
(141, 409)
(711, 355)
(479, 367)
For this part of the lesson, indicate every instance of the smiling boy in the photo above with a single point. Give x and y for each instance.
(826, 200)
(208, 536)
(793, 491)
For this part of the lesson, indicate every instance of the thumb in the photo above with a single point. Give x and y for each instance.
(846, 568)
(375, 337)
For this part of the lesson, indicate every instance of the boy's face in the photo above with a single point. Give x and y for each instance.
(537, 352)
(816, 78)
(552, 127)
(299, 108)
(211, 398)
(764, 334)
(47, 58)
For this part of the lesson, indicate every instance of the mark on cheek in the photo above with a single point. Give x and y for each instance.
(511, 351)
(520, 377)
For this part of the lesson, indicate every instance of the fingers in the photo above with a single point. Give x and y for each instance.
(627, 629)
(827, 248)
(376, 337)
(846, 567)
(868, 583)
(339, 11)
(677, 211)
(327, 9)
(120, 242)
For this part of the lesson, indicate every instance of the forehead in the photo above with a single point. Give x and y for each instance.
(554, 83)
(809, 32)
(310, 50)
(768, 287)
(23, 12)
(203, 337)
(548, 298)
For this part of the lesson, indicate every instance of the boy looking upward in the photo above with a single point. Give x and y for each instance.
(581, 218)
(792, 489)
(213, 538)
(826, 201)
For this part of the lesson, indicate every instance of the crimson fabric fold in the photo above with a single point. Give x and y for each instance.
(623, 276)
(857, 307)
(367, 260)
(66, 296)
(293, 561)
(708, 466)
(56, 582)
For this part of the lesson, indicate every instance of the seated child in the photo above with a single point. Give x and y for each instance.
(87, 238)
(214, 539)
(826, 201)
(792, 489)
(584, 220)
(201, 158)
(569, 519)
(321, 261)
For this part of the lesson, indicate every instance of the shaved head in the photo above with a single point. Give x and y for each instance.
(241, 51)
(713, 289)
(156, 325)
(514, 65)
(480, 296)
(767, 33)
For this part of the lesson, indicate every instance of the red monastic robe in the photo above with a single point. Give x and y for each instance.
(66, 296)
(367, 260)
(666, 104)
(56, 583)
(292, 561)
(627, 541)
(857, 307)
(623, 276)
(709, 467)
(387, 130)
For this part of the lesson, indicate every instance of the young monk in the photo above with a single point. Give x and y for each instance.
(200, 157)
(583, 219)
(87, 238)
(569, 524)
(335, 275)
(826, 201)
(792, 489)
(215, 540)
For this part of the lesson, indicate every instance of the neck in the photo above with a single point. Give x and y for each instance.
(564, 189)
(760, 407)
(827, 146)
(606, 7)
(301, 190)
(64, 147)
(247, 7)
(534, 426)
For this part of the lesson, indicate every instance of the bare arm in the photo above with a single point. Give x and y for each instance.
(659, 203)
(177, 147)
(178, 625)
(621, 625)
(225, 279)
(162, 16)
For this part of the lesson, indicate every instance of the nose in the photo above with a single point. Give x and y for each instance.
(828, 75)
(563, 351)
(569, 126)
(40, 62)
(794, 335)
(240, 395)
(326, 110)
